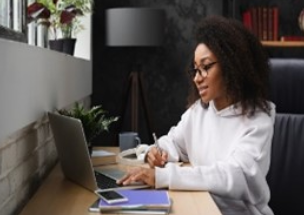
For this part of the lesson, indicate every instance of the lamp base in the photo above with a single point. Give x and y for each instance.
(135, 90)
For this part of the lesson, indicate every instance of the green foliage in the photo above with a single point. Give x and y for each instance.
(94, 120)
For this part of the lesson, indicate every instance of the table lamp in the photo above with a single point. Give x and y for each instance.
(135, 27)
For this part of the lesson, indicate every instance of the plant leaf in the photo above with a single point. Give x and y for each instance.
(66, 17)
(37, 11)
(94, 120)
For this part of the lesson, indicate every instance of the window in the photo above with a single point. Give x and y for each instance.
(13, 19)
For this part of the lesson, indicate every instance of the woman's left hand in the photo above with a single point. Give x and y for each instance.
(137, 174)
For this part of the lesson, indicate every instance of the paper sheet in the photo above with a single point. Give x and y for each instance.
(101, 153)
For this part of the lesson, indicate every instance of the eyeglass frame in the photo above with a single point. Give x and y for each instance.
(203, 70)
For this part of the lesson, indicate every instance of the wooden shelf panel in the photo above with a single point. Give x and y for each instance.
(283, 43)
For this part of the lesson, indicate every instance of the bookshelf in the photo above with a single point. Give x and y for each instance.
(267, 23)
(263, 21)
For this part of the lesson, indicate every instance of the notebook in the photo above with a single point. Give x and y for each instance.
(140, 199)
(139, 202)
(75, 159)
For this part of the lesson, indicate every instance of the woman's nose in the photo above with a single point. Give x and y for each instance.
(198, 78)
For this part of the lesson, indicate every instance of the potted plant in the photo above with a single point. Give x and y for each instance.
(94, 120)
(62, 19)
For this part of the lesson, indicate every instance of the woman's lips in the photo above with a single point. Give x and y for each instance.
(202, 90)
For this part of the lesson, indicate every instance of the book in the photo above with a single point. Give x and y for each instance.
(260, 22)
(264, 23)
(254, 20)
(247, 20)
(102, 157)
(140, 200)
(292, 38)
(142, 211)
(95, 209)
(270, 24)
(275, 23)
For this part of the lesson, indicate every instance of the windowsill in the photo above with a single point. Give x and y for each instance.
(12, 35)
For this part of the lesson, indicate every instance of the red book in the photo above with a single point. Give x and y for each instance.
(292, 38)
(260, 23)
(275, 23)
(270, 24)
(247, 20)
(254, 20)
(264, 23)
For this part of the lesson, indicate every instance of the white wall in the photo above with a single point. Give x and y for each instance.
(83, 44)
(34, 80)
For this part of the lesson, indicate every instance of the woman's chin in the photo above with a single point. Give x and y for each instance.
(205, 99)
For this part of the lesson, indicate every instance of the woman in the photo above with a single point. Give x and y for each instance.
(227, 131)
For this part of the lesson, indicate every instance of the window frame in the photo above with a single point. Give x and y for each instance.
(11, 34)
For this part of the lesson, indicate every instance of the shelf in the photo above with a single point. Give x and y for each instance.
(283, 43)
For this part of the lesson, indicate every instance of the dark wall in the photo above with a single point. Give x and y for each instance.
(163, 67)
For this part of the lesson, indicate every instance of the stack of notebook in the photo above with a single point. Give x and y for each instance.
(102, 157)
(139, 202)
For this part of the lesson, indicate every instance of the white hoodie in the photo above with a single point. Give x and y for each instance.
(229, 155)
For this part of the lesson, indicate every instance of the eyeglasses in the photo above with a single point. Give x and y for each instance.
(202, 70)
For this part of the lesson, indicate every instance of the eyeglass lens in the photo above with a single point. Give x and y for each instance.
(202, 70)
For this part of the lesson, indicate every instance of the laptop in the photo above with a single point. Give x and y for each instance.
(75, 160)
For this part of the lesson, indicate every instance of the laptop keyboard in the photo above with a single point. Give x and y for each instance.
(105, 182)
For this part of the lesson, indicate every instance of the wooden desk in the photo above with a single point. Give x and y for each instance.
(59, 196)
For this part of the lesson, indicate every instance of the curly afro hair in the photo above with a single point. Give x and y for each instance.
(242, 59)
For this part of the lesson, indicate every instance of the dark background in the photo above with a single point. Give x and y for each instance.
(163, 67)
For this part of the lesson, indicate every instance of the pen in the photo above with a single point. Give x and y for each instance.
(156, 143)
(158, 148)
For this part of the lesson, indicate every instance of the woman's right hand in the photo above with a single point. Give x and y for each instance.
(156, 157)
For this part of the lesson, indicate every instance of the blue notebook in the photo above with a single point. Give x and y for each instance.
(140, 199)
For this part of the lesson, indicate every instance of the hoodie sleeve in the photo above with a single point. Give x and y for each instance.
(174, 142)
(241, 176)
